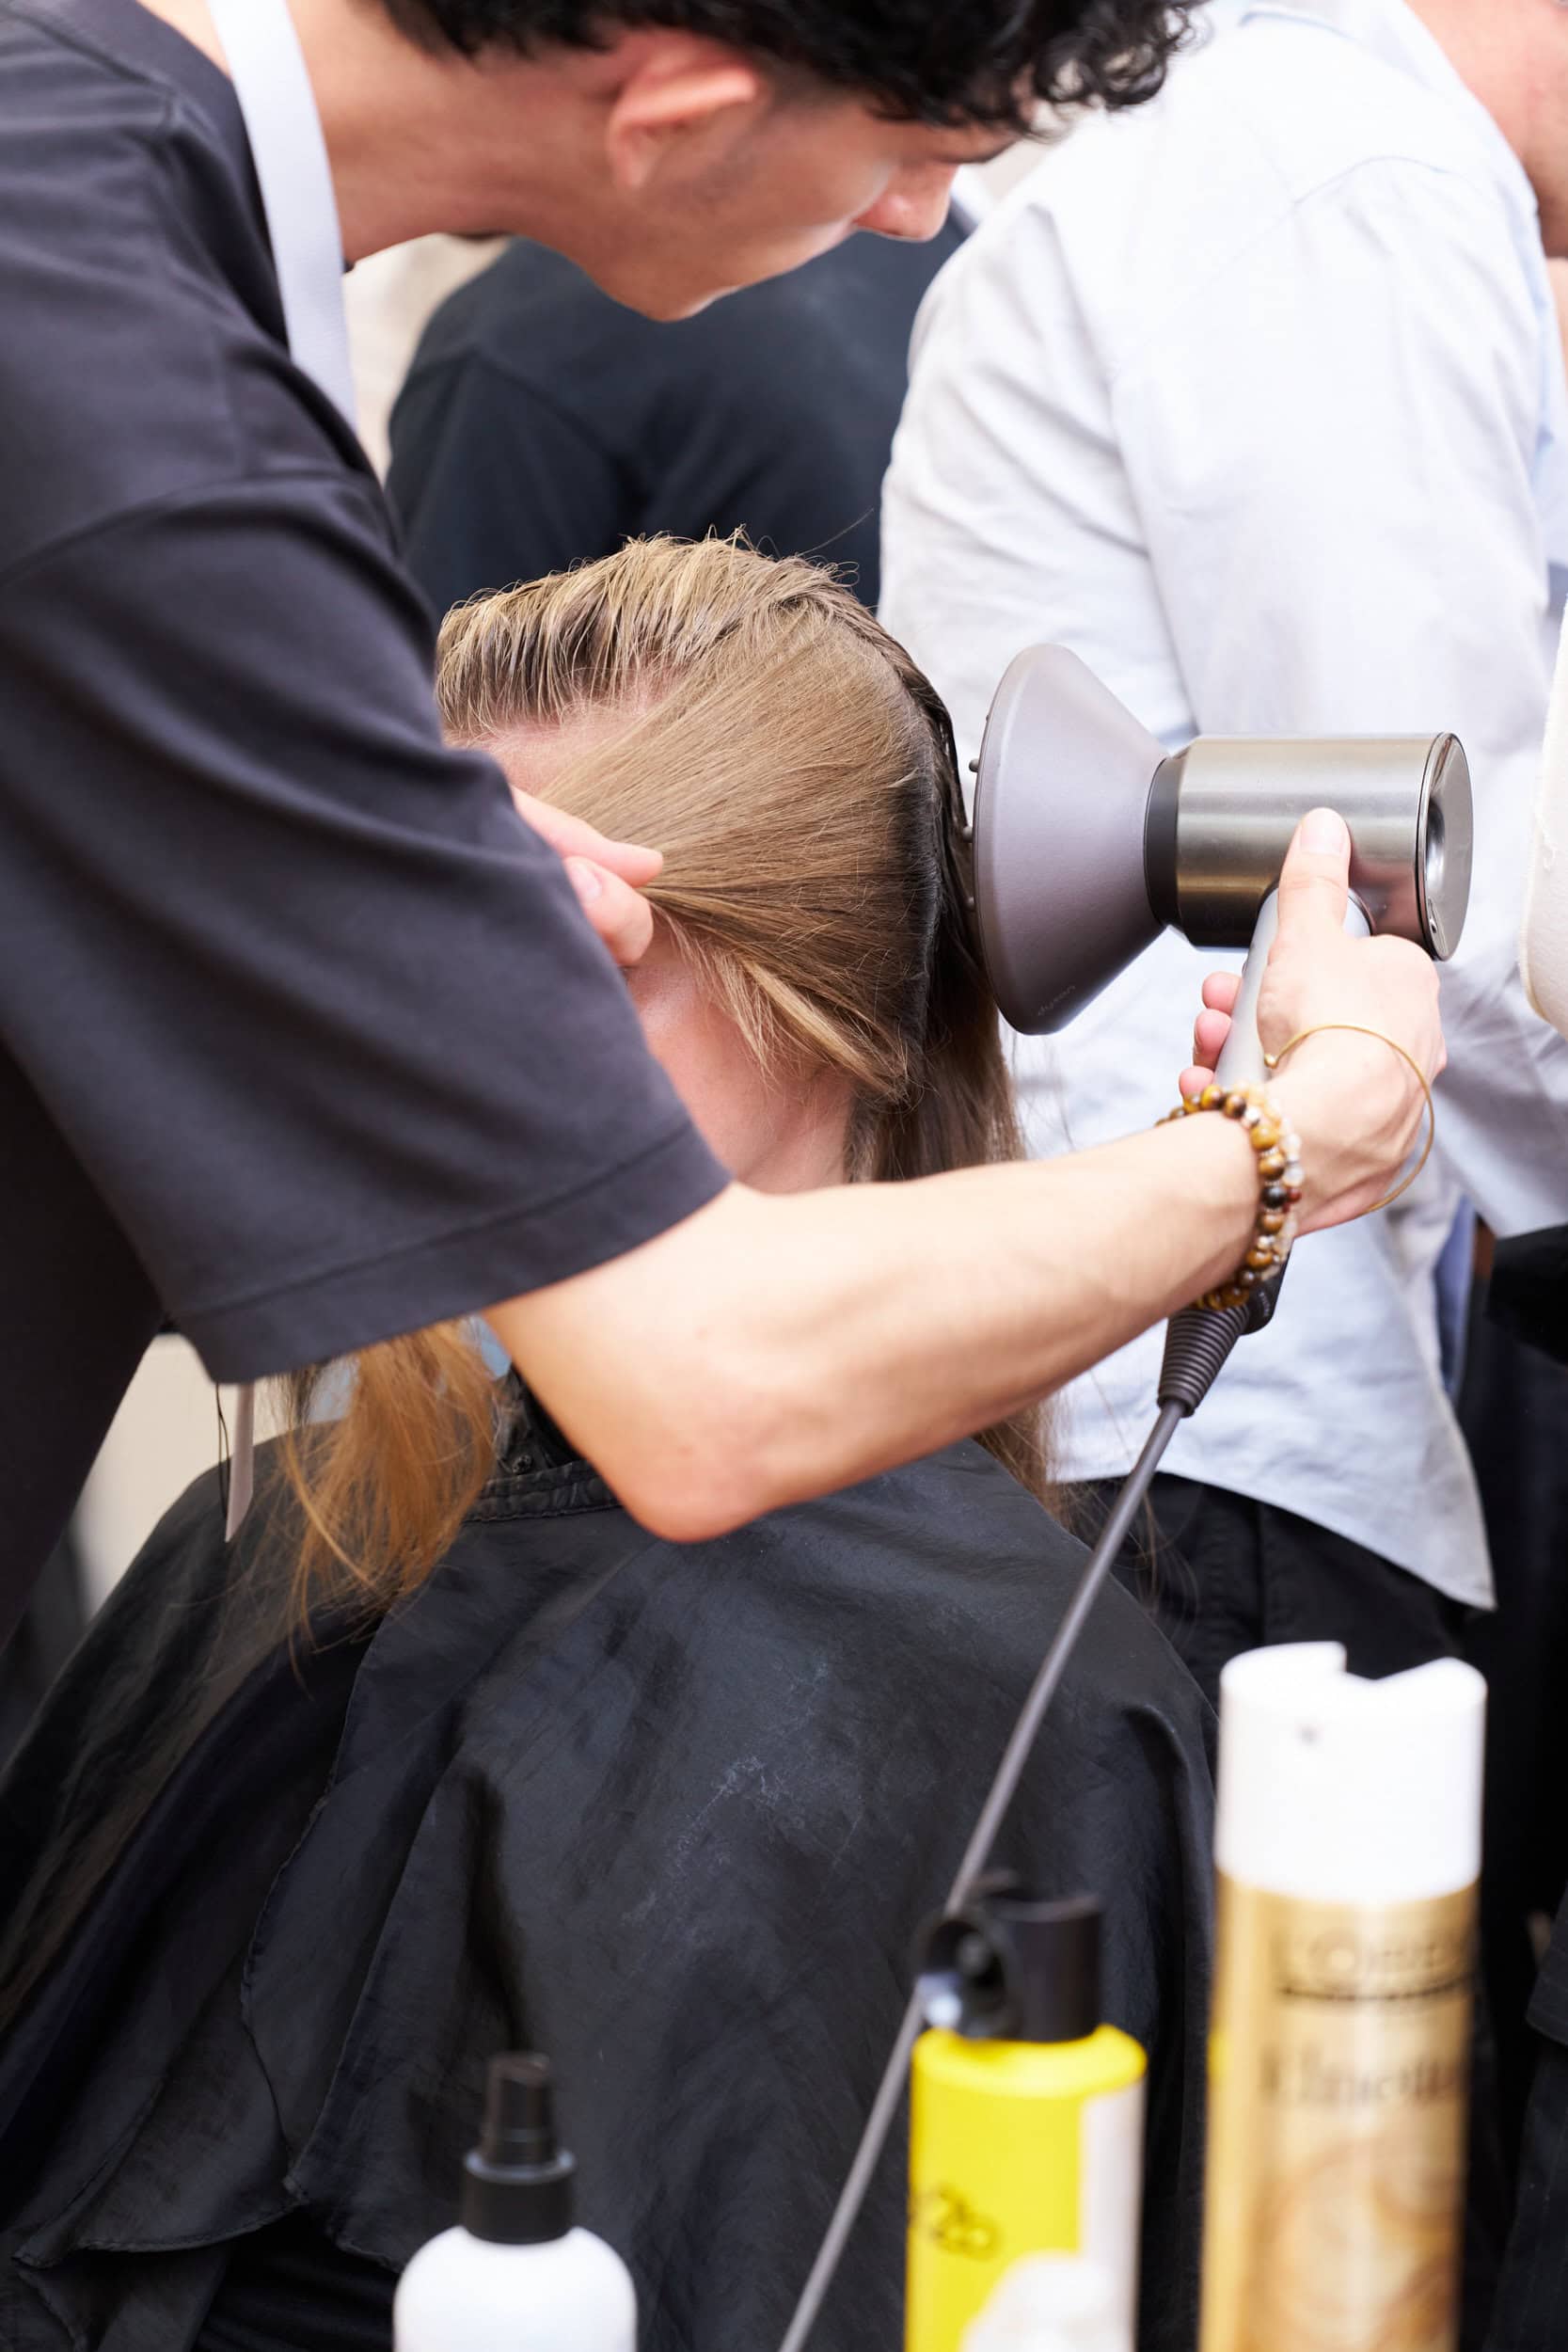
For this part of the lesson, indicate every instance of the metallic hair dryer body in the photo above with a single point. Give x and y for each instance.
(1089, 839)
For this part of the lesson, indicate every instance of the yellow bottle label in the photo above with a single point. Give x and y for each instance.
(1017, 2148)
(1337, 2082)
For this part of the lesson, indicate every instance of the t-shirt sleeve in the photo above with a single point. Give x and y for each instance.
(492, 482)
(318, 1014)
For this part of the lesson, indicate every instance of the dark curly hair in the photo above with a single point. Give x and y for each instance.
(940, 62)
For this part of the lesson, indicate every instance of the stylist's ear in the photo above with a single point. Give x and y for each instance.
(677, 89)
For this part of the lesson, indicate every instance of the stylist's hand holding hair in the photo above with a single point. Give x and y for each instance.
(608, 876)
(1357, 1102)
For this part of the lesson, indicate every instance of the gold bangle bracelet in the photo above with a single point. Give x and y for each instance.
(1359, 1028)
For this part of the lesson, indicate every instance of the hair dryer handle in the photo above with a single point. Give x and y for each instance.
(1240, 1062)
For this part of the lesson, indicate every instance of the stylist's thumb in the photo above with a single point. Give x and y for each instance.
(1314, 881)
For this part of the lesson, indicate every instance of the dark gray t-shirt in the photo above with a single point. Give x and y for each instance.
(304, 1040)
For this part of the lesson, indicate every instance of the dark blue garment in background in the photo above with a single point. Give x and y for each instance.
(542, 424)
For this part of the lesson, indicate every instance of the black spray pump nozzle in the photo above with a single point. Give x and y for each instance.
(517, 2182)
(1008, 1967)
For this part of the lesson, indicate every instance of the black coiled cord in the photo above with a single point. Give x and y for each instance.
(1198, 1342)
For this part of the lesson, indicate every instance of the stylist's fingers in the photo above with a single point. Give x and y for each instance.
(1211, 1029)
(569, 836)
(1314, 882)
(622, 917)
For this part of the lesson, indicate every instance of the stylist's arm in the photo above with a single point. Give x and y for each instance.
(770, 1348)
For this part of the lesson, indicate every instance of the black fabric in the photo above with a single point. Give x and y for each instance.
(1513, 1409)
(289, 2285)
(542, 424)
(1528, 1291)
(1221, 1573)
(234, 1806)
(303, 1038)
(1532, 2298)
(1528, 1296)
(55, 1622)
(673, 1814)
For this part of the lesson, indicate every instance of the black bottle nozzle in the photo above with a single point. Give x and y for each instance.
(1009, 1968)
(519, 2111)
(517, 2182)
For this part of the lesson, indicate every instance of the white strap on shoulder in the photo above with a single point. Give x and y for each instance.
(267, 67)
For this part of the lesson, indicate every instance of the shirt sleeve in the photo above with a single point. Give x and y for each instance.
(317, 1013)
(493, 482)
(1334, 453)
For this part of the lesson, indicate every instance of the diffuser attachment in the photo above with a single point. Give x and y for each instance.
(1061, 797)
(1089, 840)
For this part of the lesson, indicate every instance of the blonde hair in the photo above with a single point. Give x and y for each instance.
(797, 773)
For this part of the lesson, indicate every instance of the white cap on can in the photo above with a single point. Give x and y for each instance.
(1340, 1790)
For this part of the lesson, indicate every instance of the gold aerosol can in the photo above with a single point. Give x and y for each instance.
(1348, 1844)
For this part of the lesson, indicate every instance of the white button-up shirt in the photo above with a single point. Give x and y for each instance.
(1254, 397)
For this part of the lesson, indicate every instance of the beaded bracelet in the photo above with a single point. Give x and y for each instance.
(1279, 1174)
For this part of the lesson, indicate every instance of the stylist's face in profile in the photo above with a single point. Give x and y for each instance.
(723, 171)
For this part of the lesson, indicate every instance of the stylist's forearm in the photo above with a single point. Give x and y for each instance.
(773, 1347)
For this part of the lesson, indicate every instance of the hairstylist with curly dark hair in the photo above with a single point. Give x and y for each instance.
(304, 1040)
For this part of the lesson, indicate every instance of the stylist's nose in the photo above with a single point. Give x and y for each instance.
(913, 206)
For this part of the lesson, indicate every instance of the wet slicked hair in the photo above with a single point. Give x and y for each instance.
(939, 61)
(797, 773)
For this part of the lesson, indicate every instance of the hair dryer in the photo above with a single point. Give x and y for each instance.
(1089, 840)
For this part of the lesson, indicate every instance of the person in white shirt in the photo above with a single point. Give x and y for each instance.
(1255, 399)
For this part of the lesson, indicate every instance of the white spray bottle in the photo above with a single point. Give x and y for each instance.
(515, 2276)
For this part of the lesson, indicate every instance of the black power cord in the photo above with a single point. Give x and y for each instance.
(1197, 1344)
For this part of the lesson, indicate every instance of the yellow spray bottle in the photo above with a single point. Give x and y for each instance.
(1027, 2119)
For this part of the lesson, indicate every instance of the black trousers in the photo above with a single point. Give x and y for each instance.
(1221, 1573)
(1515, 1413)
(1531, 2310)
(1514, 1409)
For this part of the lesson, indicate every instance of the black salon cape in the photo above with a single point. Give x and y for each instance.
(671, 1813)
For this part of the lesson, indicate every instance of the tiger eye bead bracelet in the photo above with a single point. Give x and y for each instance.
(1279, 1183)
